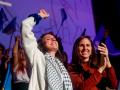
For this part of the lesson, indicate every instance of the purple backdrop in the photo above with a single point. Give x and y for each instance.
(79, 17)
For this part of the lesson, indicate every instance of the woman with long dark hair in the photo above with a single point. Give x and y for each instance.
(87, 71)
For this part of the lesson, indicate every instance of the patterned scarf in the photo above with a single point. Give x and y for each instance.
(57, 76)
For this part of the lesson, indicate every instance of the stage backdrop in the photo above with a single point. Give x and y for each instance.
(68, 19)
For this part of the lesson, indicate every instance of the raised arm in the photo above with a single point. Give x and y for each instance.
(29, 40)
(35, 56)
(15, 50)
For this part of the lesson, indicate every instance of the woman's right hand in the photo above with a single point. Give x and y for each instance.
(17, 38)
(43, 13)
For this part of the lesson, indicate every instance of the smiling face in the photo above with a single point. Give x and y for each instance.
(50, 43)
(84, 49)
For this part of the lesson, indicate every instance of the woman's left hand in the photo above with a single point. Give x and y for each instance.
(104, 52)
